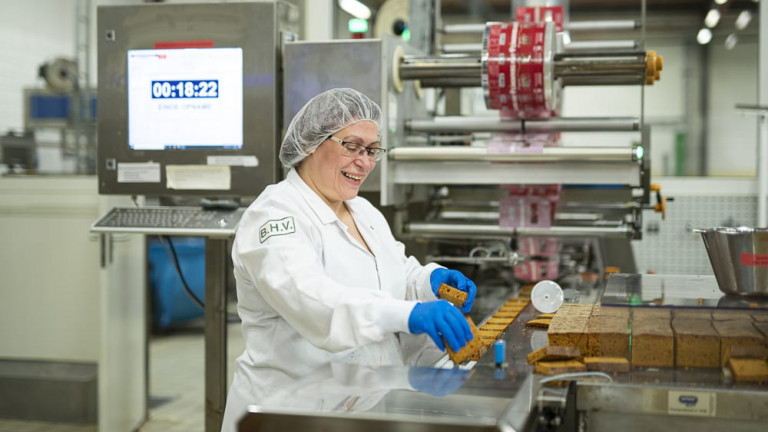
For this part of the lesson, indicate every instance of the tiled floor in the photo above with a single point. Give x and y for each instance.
(176, 385)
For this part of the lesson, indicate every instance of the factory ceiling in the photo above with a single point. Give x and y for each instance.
(664, 18)
(501, 6)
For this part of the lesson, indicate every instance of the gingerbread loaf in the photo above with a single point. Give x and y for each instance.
(608, 336)
(697, 343)
(735, 333)
(653, 343)
(569, 327)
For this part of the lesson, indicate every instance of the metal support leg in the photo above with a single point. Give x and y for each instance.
(215, 333)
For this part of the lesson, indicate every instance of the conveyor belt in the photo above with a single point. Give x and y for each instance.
(488, 332)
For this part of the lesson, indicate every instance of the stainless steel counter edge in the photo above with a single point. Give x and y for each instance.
(220, 232)
(731, 404)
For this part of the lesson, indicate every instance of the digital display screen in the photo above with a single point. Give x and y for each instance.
(185, 89)
(185, 98)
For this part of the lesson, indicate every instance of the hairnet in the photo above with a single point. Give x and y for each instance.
(325, 114)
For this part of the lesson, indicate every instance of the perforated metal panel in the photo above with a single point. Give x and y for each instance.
(670, 247)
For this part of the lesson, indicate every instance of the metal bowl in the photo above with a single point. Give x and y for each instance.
(739, 258)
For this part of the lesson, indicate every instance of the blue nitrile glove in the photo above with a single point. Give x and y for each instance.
(437, 382)
(440, 319)
(457, 280)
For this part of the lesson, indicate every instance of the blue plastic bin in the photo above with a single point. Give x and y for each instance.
(170, 303)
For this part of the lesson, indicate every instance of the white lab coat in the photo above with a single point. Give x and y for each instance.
(310, 294)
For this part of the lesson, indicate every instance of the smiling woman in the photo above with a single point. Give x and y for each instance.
(320, 277)
(334, 172)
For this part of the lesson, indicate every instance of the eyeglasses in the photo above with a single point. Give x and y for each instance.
(353, 149)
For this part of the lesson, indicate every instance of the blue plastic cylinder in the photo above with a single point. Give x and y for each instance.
(500, 351)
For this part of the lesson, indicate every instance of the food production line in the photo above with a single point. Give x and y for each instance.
(490, 394)
(505, 200)
(497, 193)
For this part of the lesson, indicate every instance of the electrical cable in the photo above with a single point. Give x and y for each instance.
(171, 251)
(577, 375)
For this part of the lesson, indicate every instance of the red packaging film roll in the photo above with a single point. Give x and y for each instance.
(517, 68)
(555, 14)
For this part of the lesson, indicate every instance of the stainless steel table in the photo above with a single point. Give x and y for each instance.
(218, 227)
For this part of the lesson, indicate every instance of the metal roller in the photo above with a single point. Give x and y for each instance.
(521, 71)
(569, 48)
(463, 28)
(606, 25)
(436, 230)
(605, 80)
(412, 68)
(466, 48)
(422, 140)
(612, 68)
(511, 259)
(547, 154)
(484, 124)
(632, 64)
(589, 46)
(450, 82)
(463, 124)
(603, 25)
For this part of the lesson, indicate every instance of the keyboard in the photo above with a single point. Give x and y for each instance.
(170, 220)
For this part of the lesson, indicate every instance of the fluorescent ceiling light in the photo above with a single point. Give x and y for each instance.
(712, 18)
(355, 8)
(742, 21)
(704, 37)
(721, 2)
(731, 41)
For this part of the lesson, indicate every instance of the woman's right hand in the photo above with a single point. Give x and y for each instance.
(440, 319)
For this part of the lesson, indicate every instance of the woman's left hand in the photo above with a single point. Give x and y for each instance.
(457, 280)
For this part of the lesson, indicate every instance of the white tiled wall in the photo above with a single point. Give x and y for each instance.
(669, 246)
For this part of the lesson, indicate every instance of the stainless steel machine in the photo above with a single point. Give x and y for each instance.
(190, 96)
(189, 108)
(501, 186)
